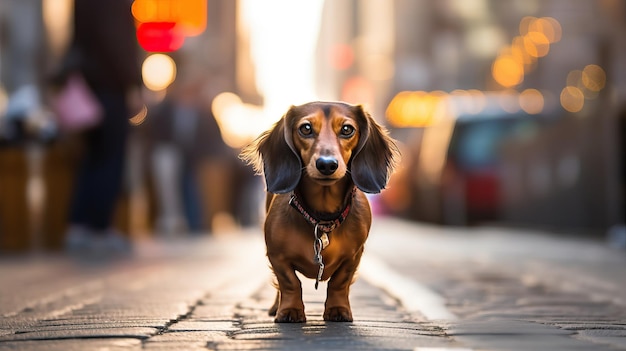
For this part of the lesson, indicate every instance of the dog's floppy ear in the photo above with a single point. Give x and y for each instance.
(273, 155)
(374, 157)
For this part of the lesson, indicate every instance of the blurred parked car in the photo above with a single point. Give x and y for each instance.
(474, 164)
(468, 186)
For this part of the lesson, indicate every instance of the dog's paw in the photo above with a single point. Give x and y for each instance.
(338, 314)
(290, 315)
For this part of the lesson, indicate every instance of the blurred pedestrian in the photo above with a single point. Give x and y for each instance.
(104, 49)
(183, 137)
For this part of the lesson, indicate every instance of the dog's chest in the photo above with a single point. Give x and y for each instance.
(332, 253)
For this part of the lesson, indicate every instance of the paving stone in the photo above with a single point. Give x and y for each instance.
(611, 337)
(222, 326)
(214, 311)
(187, 340)
(95, 332)
(179, 345)
(121, 344)
(188, 335)
(519, 342)
(502, 327)
(591, 325)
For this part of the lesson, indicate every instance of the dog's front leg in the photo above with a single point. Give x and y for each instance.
(272, 311)
(290, 305)
(337, 306)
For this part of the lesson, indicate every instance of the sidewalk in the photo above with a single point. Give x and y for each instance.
(420, 288)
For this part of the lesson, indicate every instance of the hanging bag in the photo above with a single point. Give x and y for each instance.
(73, 102)
(76, 107)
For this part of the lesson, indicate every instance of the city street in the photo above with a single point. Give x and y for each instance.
(420, 287)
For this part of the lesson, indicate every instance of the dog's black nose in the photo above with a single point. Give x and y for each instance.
(326, 165)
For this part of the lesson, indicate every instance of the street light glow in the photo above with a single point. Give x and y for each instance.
(158, 71)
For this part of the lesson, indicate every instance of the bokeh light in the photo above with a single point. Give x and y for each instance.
(509, 101)
(531, 101)
(57, 19)
(471, 101)
(536, 44)
(518, 50)
(158, 72)
(582, 84)
(572, 99)
(223, 101)
(524, 24)
(189, 15)
(548, 26)
(574, 78)
(410, 109)
(140, 117)
(238, 122)
(160, 36)
(593, 77)
(520, 58)
(507, 71)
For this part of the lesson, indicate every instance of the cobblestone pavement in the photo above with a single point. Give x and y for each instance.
(514, 290)
(440, 289)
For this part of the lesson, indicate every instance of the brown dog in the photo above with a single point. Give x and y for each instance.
(318, 161)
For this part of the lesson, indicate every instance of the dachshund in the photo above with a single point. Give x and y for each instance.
(318, 160)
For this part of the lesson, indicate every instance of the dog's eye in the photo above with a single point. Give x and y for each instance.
(306, 129)
(347, 131)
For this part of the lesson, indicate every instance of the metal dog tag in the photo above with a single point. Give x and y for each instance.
(325, 240)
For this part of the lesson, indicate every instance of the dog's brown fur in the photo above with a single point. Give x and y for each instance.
(288, 155)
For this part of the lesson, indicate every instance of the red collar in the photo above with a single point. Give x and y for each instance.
(326, 222)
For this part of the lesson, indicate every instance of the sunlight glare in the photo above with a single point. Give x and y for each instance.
(283, 37)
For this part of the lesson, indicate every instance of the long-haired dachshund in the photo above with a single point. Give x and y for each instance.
(318, 161)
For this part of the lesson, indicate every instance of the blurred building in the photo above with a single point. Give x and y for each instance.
(563, 169)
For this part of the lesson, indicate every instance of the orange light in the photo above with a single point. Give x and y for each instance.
(556, 30)
(525, 23)
(574, 78)
(518, 50)
(192, 16)
(394, 109)
(572, 99)
(507, 71)
(531, 101)
(189, 15)
(536, 44)
(417, 108)
(593, 78)
(548, 26)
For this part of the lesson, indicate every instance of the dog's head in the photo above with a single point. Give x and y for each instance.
(327, 141)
